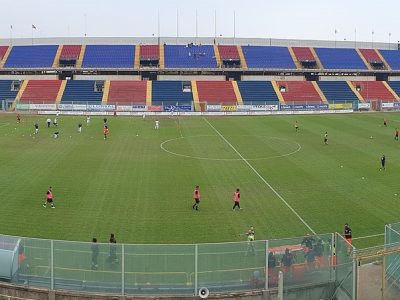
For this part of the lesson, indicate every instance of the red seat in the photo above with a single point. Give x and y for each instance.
(149, 52)
(123, 92)
(216, 92)
(299, 92)
(3, 50)
(228, 52)
(373, 90)
(70, 52)
(41, 91)
(303, 54)
(370, 55)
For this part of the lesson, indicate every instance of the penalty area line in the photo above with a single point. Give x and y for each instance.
(262, 178)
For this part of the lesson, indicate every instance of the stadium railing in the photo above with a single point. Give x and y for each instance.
(172, 269)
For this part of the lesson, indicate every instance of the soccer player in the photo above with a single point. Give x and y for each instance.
(396, 135)
(105, 132)
(55, 123)
(308, 242)
(383, 163)
(326, 138)
(384, 122)
(157, 124)
(48, 122)
(49, 198)
(95, 254)
(80, 127)
(18, 118)
(236, 199)
(36, 128)
(296, 126)
(87, 120)
(196, 197)
(348, 235)
(55, 135)
(250, 240)
(105, 122)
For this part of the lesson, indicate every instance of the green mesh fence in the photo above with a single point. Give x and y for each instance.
(392, 265)
(345, 266)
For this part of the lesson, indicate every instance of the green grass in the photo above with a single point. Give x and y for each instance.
(130, 186)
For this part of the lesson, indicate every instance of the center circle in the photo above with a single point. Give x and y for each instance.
(213, 147)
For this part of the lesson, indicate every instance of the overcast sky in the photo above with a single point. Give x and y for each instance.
(294, 19)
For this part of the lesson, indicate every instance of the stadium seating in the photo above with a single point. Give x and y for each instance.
(189, 56)
(395, 86)
(41, 91)
(340, 58)
(228, 52)
(123, 92)
(150, 52)
(6, 91)
(170, 92)
(216, 92)
(337, 91)
(257, 91)
(70, 52)
(109, 56)
(392, 57)
(31, 56)
(373, 90)
(3, 50)
(303, 54)
(268, 57)
(294, 92)
(81, 91)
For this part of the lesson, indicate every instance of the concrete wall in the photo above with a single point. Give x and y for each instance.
(23, 77)
(191, 77)
(202, 40)
(107, 77)
(345, 78)
(271, 77)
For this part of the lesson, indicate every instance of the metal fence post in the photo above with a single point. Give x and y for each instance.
(52, 264)
(123, 270)
(195, 268)
(266, 264)
(355, 273)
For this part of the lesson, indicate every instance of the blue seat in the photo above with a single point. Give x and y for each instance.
(337, 91)
(395, 85)
(180, 56)
(31, 56)
(257, 92)
(170, 92)
(392, 57)
(81, 91)
(5, 90)
(268, 57)
(109, 56)
(340, 58)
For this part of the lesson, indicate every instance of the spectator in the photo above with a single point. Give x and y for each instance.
(308, 243)
(95, 254)
(113, 249)
(319, 253)
(287, 261)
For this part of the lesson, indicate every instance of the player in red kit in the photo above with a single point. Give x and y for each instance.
(236, 199)
(49, 198)
(196, 197)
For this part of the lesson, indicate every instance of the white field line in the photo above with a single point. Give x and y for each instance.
(368, 236)
(262, 178)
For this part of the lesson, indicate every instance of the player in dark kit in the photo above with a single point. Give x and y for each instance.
(383, 163)
(18, 119)
(196, 197)
(348, 235)
(296, 126)
(326, 138)
(396, 135)
(385, 122)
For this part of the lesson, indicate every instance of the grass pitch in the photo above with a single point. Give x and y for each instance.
(138, 184)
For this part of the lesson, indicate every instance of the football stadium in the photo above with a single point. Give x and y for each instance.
(187, 167)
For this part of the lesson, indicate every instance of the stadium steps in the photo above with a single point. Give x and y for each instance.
(217, 56)
(61, 91)
(363, 59)
(319, 64)
(57, 57)
(320, 93)
(383, 60)
(195, 93)
(5, 56)
(294, 57)
(137, 57)
(162, 57)
(149, 92)
(80, 58)
(391, 90)
(243, 62)
(353, 88)
(278, 92)
(19, 95)
(238, 95)
(106, 92)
